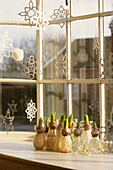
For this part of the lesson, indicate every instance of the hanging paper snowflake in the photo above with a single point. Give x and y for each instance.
(31, 110)
(6, 46)
(94, 106)
(13, 107)
(96, 45)
(7, 121)
(29, 11)
(110, 121)
(107, 72)
(61, 65)
(31, 67)
(60, 14)
(39, 20)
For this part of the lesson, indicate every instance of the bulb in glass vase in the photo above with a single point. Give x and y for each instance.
(76, 145)
(65, 143)
(95, 143)
(52, 135)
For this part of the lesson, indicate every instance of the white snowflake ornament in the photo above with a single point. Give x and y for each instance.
(31, 110)
(39, 20)
(6, 46)
(61, 65)
(59, 14)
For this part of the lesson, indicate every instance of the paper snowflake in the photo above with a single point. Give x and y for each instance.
(96, 44)
(61, 65)
(60, 14)
(13, 107)
(6, 46)
(94, 106)
(29, 11)
(39, 20)
(31, 110)
(110, 121)
(107, 72)
(7, 121)
(31, 67)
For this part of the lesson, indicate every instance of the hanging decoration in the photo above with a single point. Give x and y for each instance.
(96, 44)
(18, 54)
(31, 67)
(110, 120)
(61, 65)
(31, 110)
(6, 46)
(39, 20)
(7, 121)
(60, 14)
(106, 65)
(94, 106)
(13, 107)
(29, 11)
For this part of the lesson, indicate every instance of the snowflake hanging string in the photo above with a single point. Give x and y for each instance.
(31, 110)
(96, 44)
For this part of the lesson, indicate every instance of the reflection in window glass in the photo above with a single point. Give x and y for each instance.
(21, 95)
(54, 44)
(23, 38)
(55, 99)
(85, 98)
(9, 9)
(83, 7)
(84, 57)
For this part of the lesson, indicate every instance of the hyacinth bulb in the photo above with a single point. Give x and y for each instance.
(39, 138)
(51, 136)
(65, 143)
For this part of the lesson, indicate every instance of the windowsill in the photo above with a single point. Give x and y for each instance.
(23, 152)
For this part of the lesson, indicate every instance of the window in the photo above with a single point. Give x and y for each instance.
(84, 88)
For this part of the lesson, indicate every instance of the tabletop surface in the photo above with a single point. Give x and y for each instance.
(26, 151)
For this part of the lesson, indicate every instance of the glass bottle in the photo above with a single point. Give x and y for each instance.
(65, 143)
(95, 143)
(76, 145)
(86, 134)
(51, 136)
(39, 138)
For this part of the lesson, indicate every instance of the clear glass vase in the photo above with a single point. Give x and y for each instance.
(76, 145)
(86, 137)
(95, 145)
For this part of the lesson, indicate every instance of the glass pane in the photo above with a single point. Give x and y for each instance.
(9, 9)
(22, 37)
(50, 5)
(108, 47)
(86, 101)
(108, 5)
(84, 56)
(55, 99)
(83, 7)
(16, 97)
(54, 45)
